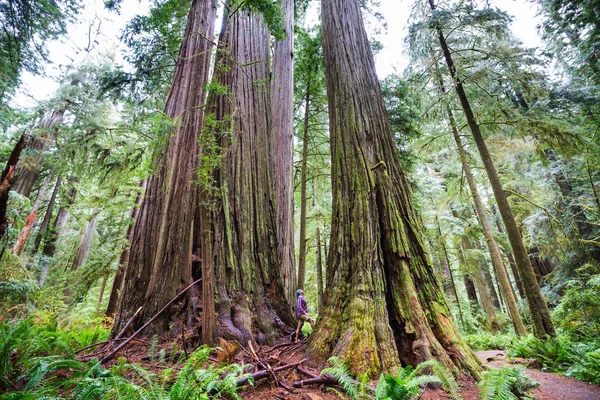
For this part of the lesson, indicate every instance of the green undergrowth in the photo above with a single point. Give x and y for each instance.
(506, 384)
(406, 384)
(37, 361)
(487, 341)
(562, 355)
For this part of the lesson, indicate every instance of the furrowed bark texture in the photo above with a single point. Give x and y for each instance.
(31, 164)
(6, 180)
(542, 322)
(160, 259)
(319, 271)
(117, 286)
(251, 303)
(282, 139)
(383, 305)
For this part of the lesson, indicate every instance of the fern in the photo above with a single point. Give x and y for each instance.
(506, 384)
(340, 372)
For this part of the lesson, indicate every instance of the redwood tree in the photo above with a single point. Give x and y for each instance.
(241, 241)
(383, 303)
(161, 257)
(282, 139)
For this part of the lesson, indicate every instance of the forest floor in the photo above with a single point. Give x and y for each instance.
(552, 386)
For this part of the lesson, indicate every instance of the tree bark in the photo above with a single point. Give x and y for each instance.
(542, 322)
(85, 244)
(383, 303)
(31, 164)
(160, 256)
(251, 303)
(470, 289)
(117, 286)
(6, 181)
(282, 146)
(319, 271)
(303, 178)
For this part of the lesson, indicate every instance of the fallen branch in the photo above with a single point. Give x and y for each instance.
(128, 323)
(323, 380)
(264, 373)
(126, 342)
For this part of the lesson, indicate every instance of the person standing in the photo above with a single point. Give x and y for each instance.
(302, 312)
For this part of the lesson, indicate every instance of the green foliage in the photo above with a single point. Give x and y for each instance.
(27, 27)
(405, 384)
(486, 341)
(578, 312)
(506, 384)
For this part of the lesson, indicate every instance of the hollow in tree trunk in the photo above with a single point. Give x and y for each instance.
(383, 303)
(160, 256)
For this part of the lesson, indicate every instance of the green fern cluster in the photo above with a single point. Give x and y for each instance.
(406, 384)
(196, 379)
(506, 384)
(486, 341)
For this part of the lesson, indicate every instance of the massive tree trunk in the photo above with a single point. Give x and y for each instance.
(383, 303)
(251, 303)
(117, 286)
(303, 178)
(31, 164)
(282, 147)
(6, 181)
(542, 323)
(161, 257)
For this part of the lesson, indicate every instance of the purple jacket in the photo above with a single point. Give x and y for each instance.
(301, 307)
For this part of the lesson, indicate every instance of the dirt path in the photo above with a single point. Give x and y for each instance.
(552, 386)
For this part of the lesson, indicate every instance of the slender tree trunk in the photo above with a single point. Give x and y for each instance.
(380, 281)
(85, 244)
(6, 181)
(450, 274)
(511, 259)
(542, 322)
(303, 178)
(31, 164)
(21, 241)
(319, 271)
(61, 220)
(495, 255)
(47, 216)
(160, 256)
(117, 286)
(470, 288)
(251, 303)
(102, 287)
(489, 281)
(282, 136)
